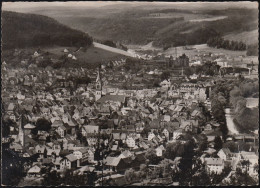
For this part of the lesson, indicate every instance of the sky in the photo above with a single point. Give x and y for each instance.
(97, 4)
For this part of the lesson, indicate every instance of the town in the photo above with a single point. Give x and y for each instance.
(112, 93)
(129, 121)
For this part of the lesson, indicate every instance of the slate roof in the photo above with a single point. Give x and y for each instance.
(214, 161)
(10, 107)
(115, 98)
(71, 157)
(29, 126)
(112, 161)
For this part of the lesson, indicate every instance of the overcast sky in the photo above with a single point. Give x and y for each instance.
(28, 5)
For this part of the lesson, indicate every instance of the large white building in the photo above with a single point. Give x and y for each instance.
(214, 165)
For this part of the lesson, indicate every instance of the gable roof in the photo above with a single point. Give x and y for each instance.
(91, 128)
(214, 161)
(115, 98)
(10, 107)
(112, 161)
(29, 126)
(34, 169)
(71, 157)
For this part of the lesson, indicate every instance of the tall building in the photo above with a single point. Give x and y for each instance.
(98, 87)
(21, 132)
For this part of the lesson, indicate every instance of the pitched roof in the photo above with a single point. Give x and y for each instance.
(226, 151)
(29, 126)
(34, 169)
(10, 107)
(115, 98)
(252, 102)
(71, 157)
(114, 147)
(91, 128)
(112, 161)
(214, 161)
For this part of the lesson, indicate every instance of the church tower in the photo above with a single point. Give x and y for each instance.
(98, 86)
(21, 132)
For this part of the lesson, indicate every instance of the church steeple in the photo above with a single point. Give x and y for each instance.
(98, 81)
(21, 132)
(98, 86)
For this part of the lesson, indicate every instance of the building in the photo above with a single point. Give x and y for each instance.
(252, 102)
(98, 92)
(130, 141)
(214, 165)
(224, 154)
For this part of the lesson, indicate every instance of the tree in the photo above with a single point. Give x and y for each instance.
(173, 150)
(43, 124)
(45, 153)
(188, 71)
(6, 124)
(130, 175)
(166, 165)
(201, 177)
(12, 167)
(151, 156)
(239, 178)
(216, 179)
(165, 75)
(218, 143)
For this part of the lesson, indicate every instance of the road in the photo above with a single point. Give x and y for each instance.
(230, 124)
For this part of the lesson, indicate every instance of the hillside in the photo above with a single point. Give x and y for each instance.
(89, 58)
(29, 30)
(164, 23)
(166, 27)
(247, 37)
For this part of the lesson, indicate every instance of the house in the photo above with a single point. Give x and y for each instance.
(89, 129)
(224, 154)
(168, 132)
(10, 108)
(34, 171)
(159, 151)
(186, 126)
(252, 158)
(40, 150)
(112, 163)
(130, 141)
(151, 135)
(114, 100)
(252, 102)
(143, 145)
(69, 162)
(177, 133)
(166, 118)
(27, 128)
(125, 154)
(57, 123)
(208, 127)
(214, 165)
(61, 130)
(92, 140)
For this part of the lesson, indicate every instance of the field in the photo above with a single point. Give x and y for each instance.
(208, 19)
(111, 49)
(92, 55)
(248, 37)
(201, 49)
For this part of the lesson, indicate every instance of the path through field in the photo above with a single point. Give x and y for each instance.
(111, 49)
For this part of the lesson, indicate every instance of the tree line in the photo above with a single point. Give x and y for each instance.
(219, 42)
(246, 119)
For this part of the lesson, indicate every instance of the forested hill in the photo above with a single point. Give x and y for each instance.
(29, 30)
